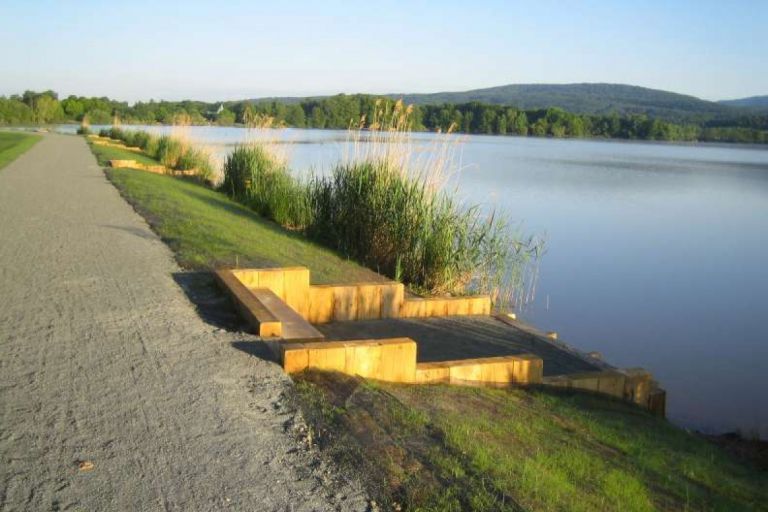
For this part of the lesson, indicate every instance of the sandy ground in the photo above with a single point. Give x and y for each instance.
(103, 359)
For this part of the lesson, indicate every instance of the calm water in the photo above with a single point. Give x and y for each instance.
(657, 254)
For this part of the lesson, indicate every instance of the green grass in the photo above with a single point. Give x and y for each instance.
(106, 153)
(13, 145)
(206, 229)
(457, 448)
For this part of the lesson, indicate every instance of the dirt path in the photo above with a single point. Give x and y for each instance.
(103, 359)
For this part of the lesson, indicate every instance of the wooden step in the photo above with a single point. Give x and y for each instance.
(262, 320)
(293, 326)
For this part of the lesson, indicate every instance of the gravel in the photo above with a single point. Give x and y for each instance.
(114, 393)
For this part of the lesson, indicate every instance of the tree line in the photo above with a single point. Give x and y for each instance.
(341, 111)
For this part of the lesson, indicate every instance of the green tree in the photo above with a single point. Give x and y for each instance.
(295, 116)
(318, 117)
(225, 118)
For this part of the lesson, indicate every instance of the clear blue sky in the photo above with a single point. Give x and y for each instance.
(227, 50)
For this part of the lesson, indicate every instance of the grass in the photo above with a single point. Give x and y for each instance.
(206, 229)
(106, 153)
(451, 448)
(13, 145)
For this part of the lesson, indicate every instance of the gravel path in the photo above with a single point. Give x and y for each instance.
(104, 360)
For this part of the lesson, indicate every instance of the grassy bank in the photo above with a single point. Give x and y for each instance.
(443, 448)
(206, 229)
(13, 145)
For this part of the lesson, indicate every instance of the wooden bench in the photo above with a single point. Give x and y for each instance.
(266, 313)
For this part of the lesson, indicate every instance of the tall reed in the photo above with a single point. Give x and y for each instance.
(389, 205)
(253, 176)
(174, 152)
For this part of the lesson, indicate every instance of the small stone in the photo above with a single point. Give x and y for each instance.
(85, 465)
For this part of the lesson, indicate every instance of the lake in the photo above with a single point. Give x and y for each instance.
(657, 254)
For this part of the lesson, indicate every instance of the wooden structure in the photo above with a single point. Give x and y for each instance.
(281, 305)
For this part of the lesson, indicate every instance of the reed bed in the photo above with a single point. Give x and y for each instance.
(388, 205)
(254, 177)
(173, 151)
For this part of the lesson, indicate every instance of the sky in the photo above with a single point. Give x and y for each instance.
(224, 50)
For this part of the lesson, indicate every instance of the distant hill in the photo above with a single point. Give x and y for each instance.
(754, 102)
(587, 98)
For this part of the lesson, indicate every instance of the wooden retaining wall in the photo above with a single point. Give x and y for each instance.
(156, 169)
(500, 371)
(291, 284)
(394, 360)
(320, 304)
(633, 385)
(391, 360)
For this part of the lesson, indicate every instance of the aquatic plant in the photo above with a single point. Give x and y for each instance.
(85, 126)
(389, 205)
(169, 151)
(255, 177)
(195, 158)
(116, 133)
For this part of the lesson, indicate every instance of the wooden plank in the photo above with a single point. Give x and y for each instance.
(328, 356)
(294, 327)
(434, 307)
(296, 290)
(273, 280)
(432, 373)
(392, 360)
(261, 320)
(637, 386)
(344, 303)
(249, 277)
(528, 369)
(413, 308)
(320, 304)
(611, 383)
(368, 302)
(295, 357)
(392, 296)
